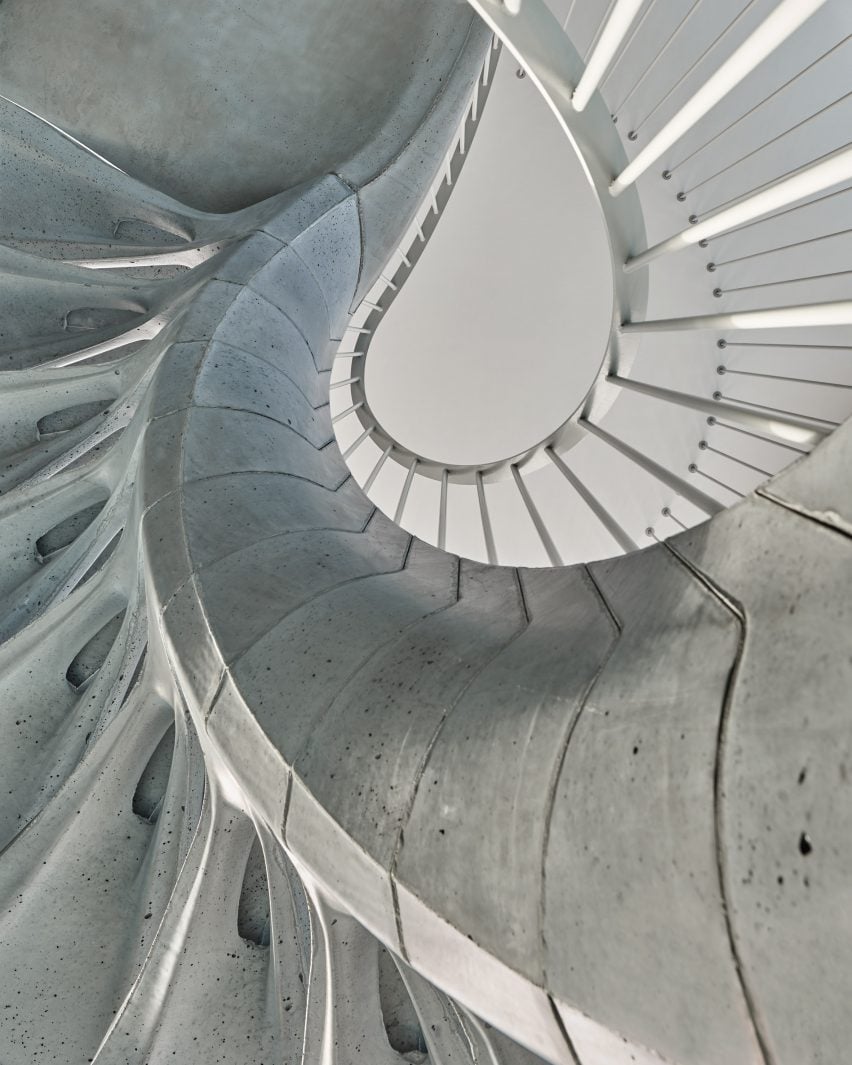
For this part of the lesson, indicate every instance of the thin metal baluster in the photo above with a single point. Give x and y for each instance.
(442, 511)
(822, 425)
(624, 541)
(677, 484)
(568, 16)
(757, 436)
(357, 443)
(676, 166)
(773, 216)
(782, 247)
(667, 513)
(406, 488)
(533, 511)
(686, 74)
(596, 36)
(789, 426)
(693, 468)
(617, 111)
(812, 164)
(768, 203)
(349, 410)
(347, 381)
(772, 344)
(626, 43)
(784, 281)
(368, 484)
(704, 181)
(487, 531)
(781, 377)
(608, 41)
(704, 446)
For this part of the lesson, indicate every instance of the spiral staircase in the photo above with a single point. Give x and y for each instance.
(301, 769)
(687, 408)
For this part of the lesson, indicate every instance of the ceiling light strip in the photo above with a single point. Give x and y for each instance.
(804, 315)
(616, 29)
(833, 170)
(792, 427)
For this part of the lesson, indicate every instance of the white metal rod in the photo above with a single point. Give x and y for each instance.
(725, 370)
(756, 436)
(733, 458)
(792, 427)
(540, 527)
(691, 68)
(707, 178)
(657, 58)
(406, 488)
(805, 314)
(667, 513)
(626, 43)
(677, 484)
(357, 443)
(834, 169)
(615, 31)
(487, 532)
(368, 484)
(442, 511)
(625, 542)
(755, 107)
(781, 247)
(349, 410)
(693, 468)
(782, 281)
(346, 381)
(775, 29)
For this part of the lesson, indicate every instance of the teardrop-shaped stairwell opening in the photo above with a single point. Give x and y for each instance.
(499, 333)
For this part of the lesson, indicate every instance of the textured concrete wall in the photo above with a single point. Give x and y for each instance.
(223, 104)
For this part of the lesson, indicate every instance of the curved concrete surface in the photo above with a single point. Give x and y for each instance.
(222, 104)
(284, 782)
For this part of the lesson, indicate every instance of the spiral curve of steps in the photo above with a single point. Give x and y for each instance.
(694, 404)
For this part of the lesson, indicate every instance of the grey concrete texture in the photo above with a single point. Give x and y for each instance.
(251, 98)
(284, 783)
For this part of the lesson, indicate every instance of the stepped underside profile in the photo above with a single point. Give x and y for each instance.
(286, 781)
